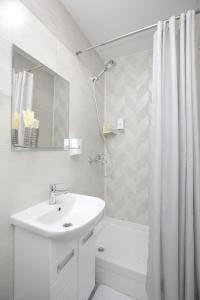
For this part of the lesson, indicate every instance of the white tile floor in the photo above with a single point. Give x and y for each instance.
(106, 293)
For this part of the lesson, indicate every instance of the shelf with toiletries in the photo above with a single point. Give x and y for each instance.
(40, 105)
(108, 130)
(113, 131)
(17, 147)
(25, 129)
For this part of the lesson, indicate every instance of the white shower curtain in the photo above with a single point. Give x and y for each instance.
(22, 98)
(174, 240)
(22, 91)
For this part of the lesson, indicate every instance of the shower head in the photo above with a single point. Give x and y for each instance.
(111, 63)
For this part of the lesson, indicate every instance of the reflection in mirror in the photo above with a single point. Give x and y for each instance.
(40, 105)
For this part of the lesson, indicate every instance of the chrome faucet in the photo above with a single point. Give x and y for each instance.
(54, 192)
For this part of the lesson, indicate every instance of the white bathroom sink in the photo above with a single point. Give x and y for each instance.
(69, 218)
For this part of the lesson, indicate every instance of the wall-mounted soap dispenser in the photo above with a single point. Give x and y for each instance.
(73, 145)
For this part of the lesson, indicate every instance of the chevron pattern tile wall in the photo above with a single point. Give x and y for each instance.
(128, 95)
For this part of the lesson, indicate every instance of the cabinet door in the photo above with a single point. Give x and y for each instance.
(69, 293)
(64, 276)
(86, 265)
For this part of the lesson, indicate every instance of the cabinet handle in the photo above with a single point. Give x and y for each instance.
(65, 261)
(87, 237)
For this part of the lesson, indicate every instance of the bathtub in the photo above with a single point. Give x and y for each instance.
(121, 256)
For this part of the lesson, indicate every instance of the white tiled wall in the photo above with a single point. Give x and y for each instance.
(25, 177)
(128, 95)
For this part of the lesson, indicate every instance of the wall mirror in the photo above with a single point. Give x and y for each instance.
(40, 105)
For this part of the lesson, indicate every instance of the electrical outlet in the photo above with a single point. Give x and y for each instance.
(120, 123)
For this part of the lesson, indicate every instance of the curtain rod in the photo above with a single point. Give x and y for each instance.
(124, 36)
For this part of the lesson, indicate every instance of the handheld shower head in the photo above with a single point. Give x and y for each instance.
(111, 63)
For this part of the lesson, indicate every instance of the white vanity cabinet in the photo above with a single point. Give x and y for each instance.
(57, 269)
(54, 252)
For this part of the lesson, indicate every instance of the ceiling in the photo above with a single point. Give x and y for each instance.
(101, 20)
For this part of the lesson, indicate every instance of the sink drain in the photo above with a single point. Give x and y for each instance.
(101, 249)
(67, 224)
